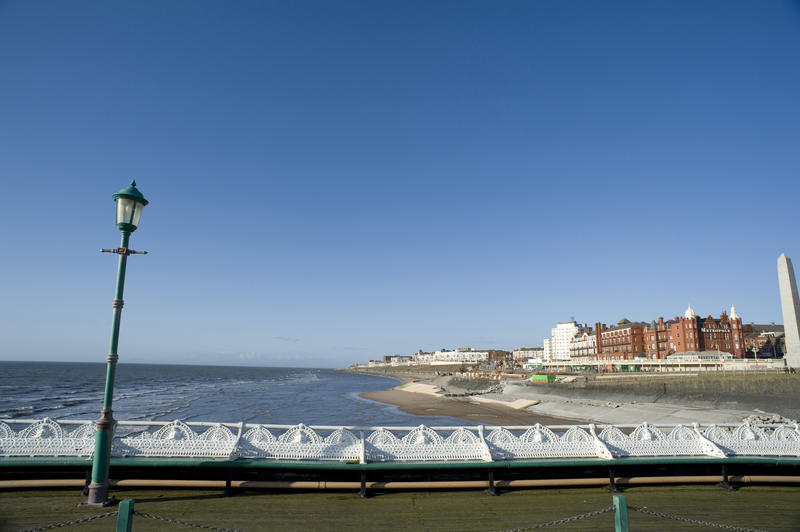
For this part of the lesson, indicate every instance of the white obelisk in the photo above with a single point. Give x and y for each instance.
(791, 310)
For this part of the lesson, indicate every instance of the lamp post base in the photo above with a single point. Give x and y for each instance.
(98, 488)
(98, 496)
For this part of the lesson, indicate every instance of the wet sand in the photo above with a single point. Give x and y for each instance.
(487, 414)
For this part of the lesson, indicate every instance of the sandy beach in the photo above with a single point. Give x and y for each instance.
(420, 395)
(498, 409)
(462, 408)
(517, 403)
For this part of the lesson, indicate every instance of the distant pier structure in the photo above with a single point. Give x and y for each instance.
(791, 310)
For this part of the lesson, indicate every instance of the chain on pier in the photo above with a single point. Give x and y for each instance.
(71, 522)
(554, 523)
(184, 523)
(563, 520)
(645, 510)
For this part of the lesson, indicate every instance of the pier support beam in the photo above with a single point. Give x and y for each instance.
(492, 490)
(85, 491)
(363, 491)
(612, 484)
(725, 482)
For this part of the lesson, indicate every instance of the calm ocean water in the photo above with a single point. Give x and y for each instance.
(61, 390)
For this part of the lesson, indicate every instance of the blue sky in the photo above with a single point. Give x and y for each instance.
(334, 181)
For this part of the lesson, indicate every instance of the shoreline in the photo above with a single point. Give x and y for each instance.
(519, 403)
(485, 413)
(423, 400)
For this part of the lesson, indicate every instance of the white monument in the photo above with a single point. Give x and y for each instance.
(791, 310)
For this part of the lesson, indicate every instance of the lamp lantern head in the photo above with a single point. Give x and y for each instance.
(130, 203)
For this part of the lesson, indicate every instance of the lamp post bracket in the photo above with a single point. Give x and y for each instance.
(123, 251)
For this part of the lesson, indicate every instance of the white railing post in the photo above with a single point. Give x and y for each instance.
(487, 454)
(602, 448)
(235, 450)
(710, 448)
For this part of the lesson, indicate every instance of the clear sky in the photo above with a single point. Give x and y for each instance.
(334, 181)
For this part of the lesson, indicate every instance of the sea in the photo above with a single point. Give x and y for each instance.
(226, 394)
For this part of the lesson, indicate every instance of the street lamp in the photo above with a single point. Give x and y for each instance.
(130, 203)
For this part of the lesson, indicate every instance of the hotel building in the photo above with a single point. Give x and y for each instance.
(628, 340)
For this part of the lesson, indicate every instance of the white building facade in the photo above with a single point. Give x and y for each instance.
(455, 356)
(525, 353)
(583, 345)
(557, 346)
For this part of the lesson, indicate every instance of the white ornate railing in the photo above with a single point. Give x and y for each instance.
(45, 437)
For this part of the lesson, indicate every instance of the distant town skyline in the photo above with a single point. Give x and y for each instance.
(332, 182)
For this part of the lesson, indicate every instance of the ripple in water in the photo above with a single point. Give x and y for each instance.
(201, 393)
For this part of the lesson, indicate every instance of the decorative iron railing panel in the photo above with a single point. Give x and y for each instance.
(177, 439)
(45, 437)
(539, 441)
(764, 440)
(300, 443)
(648, 440)
(425, 444)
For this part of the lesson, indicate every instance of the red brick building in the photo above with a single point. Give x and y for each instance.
(623, 341)
(692, 333)
(627, 340)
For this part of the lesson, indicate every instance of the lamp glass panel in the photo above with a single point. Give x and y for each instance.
(125, 208)
(137, 213)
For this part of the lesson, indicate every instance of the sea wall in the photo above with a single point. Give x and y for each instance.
(779, 393)
(409, 373)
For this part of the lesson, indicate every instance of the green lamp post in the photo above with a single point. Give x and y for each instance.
(130, 203)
